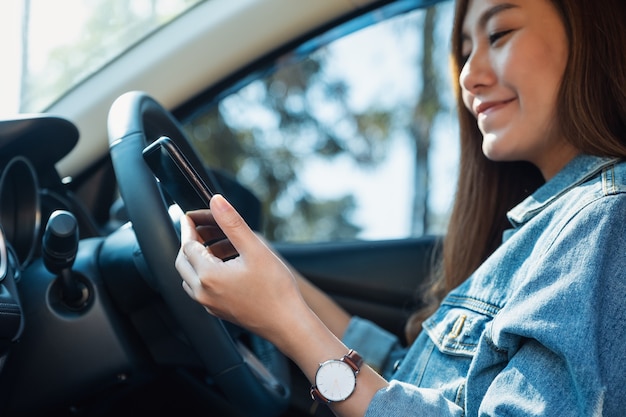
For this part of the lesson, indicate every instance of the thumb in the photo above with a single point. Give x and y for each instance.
(233, 225)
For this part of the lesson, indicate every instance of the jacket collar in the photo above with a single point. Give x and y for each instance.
(577, 171)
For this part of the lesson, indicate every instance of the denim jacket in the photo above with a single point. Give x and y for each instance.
(539, 329)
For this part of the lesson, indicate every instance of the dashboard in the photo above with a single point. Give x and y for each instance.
(81, 321)
(30, 146)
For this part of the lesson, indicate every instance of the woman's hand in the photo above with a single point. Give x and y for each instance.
(256, 290)
(238, 279)
(211, 234)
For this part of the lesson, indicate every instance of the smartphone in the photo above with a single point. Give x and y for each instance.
(178, 178)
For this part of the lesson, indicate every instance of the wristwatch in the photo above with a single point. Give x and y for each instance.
(335, 379)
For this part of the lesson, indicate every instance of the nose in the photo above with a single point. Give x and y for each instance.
(477, 72)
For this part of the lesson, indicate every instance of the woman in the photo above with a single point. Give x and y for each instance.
(528, 315)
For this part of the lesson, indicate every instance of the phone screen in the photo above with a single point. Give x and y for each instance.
(179, 180)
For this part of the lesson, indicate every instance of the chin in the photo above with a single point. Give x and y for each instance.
(496, 150)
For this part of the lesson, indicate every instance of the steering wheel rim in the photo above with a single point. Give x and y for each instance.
(134, 120)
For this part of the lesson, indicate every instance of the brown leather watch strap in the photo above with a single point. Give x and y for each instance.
(316, 395)
(353, 359)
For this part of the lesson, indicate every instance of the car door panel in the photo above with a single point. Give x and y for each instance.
(376, 280)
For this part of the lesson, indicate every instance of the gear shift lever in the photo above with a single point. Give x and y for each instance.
(59, 246)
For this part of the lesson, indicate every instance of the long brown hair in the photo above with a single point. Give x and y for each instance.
(591, 113)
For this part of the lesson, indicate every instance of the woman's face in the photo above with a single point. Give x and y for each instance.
(516, 52)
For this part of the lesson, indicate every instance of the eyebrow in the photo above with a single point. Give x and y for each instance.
(490, 13)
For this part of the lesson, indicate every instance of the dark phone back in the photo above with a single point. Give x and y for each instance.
(179, 180)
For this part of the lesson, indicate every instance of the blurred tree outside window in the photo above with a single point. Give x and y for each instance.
(356, 140)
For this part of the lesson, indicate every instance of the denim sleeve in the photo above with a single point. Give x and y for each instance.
(379, 348)
(401, 399)
(563, 328)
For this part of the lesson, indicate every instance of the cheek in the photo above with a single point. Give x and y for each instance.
(536, 82)
(536, 63)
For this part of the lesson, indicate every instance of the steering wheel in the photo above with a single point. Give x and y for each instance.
(252, 380)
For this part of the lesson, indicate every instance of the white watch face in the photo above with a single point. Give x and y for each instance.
(335, 380)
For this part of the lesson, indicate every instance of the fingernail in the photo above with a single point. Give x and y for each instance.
(219, 203)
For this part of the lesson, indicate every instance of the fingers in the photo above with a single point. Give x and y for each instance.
(223, 249)
(200, 225)
(202, 216)
(206, 226)
(187, 273)
(195, 251)
(192, 262)
(251, 290)
(242, 238)
(188, 230)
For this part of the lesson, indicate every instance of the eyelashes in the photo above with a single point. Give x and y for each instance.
(492, 38)
(496, 36)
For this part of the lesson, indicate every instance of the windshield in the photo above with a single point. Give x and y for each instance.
(56, 45)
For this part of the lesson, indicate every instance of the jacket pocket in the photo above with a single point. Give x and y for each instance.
(458, 324)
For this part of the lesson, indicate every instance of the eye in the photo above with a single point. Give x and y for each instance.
(496, 36)
(463, 59)
(466, 50)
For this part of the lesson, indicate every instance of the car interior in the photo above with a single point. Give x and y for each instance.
(93, 317)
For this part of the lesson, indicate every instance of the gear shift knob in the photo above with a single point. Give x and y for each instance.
(60, 241)
(59, 247)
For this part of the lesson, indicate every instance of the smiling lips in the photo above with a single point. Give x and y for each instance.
(484, 108)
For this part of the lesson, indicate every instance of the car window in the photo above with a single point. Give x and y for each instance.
(56, 45)
(351, 140)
